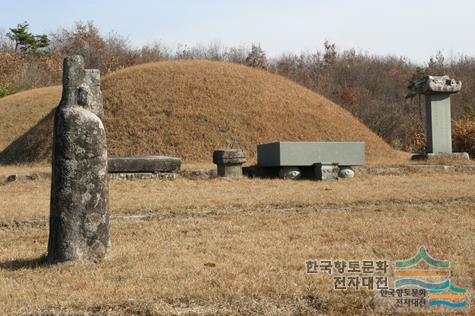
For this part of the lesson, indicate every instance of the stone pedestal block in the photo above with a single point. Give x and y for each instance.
(326, 171)
(229, 162)
(229, 170)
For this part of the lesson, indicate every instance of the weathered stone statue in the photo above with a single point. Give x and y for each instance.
(79, 218)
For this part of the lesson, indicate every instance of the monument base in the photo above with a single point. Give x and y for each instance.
(432, 156)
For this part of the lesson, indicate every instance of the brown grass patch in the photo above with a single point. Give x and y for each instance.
(30, 199)
(234, 247)
(189, 108)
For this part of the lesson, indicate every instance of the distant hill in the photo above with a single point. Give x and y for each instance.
(187, 109)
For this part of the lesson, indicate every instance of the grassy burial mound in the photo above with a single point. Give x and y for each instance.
(189, 108)
(21, 111)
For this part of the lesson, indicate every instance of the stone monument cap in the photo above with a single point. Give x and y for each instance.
(229, 156)
(438, 84)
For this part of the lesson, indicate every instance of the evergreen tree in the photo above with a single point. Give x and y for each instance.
(26, 41)
(257, 58)
(420, 74)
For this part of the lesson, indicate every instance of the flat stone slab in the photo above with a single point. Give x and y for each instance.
(145, 176)
(432, 156)
(148, 164)
(27, 176)
(297, 154)
(416, 169)
(199, 173)
(438, 84)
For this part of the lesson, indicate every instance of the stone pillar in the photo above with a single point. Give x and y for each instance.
(79, 217)
(437, 92)
(229, 162)
(92, 81)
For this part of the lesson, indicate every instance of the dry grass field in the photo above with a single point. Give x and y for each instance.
(174, 108)
(206, 247)
(220, 246)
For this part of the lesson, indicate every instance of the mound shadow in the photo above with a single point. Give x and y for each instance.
(35, 143)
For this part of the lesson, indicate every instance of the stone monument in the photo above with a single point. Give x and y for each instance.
(79, 217)
(437, 91)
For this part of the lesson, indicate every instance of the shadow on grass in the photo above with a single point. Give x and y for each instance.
(20, 264)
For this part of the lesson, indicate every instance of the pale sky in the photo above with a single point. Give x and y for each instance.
(415, 29)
